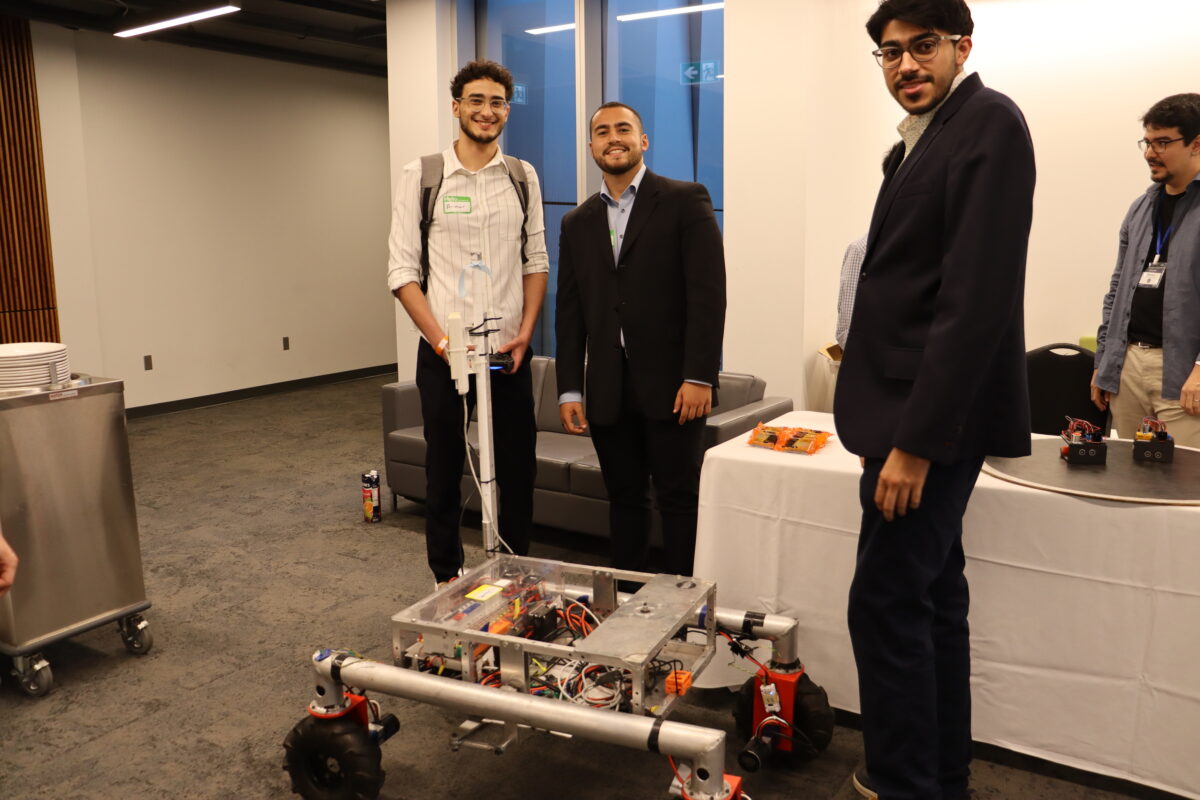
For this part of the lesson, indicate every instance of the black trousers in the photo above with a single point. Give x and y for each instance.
(908, 625)
(632, 452)
(515, 437)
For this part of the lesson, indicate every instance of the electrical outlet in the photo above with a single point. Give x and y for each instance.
(148, 362)
(287, 345)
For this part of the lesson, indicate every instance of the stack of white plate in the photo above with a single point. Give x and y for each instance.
(33, 364)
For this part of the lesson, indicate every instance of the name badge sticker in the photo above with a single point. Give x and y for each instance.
(452, 204)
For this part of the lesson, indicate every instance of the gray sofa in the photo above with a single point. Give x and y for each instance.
(569, 491)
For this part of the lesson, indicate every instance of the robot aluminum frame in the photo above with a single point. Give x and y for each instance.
(637, 630)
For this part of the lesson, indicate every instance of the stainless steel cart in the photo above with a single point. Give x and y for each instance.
(67, 508)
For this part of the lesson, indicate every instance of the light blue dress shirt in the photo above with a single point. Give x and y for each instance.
(618, 214)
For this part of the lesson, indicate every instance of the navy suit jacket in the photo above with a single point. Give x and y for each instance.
(666, 291)
(934, 362)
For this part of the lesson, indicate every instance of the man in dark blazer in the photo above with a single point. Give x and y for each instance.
(932, 381)
(641, 301)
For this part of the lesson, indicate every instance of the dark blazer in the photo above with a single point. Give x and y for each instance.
(666, 292)
(935, 359)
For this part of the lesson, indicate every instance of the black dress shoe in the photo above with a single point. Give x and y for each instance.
(863, 785)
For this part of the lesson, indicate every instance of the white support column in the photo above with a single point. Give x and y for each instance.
(422, 60)
(589, 90)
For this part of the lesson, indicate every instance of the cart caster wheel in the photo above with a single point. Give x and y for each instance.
(33, 675)
(811, 714)
(333, 759)
(136, 635)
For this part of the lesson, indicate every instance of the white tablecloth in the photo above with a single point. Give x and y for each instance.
(1085, 614)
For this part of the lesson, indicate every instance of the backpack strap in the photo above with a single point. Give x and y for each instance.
(431, 184)
(520, 182)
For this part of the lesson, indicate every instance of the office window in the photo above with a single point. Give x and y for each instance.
(671, 69)
(541, 125)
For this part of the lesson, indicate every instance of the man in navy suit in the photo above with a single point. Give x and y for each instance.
(932, 381)
(641, 301)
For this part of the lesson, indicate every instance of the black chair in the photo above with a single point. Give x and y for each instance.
(1060, 377)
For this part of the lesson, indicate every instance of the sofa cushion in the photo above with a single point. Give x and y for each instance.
(586, 480)
(556, 452)
(545, 404)
(537, 373)
(737, 389)
(407, 445)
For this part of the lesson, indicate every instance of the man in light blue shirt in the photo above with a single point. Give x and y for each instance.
(641, 313)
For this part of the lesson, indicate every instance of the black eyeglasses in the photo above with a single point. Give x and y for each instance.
(923, 49)
(1158, 144)
(477, 103)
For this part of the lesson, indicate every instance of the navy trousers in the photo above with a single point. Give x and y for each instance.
(515, 437)
(908, 626)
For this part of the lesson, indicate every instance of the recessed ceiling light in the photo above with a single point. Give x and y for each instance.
(667, 12)
(178, 19)
(570, 26)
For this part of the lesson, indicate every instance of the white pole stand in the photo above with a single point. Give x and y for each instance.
(464, 362)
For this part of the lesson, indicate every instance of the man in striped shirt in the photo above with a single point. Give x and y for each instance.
(486, 249)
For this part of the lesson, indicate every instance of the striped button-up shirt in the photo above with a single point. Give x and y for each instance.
(475, 212)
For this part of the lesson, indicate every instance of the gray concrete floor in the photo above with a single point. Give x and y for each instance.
(255, 555)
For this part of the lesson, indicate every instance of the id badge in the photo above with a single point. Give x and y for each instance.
(1153, 274)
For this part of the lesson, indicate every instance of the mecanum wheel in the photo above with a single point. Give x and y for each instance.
(333, 759)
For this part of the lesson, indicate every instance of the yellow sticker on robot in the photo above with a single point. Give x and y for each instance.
(452, 204)
(483, 591)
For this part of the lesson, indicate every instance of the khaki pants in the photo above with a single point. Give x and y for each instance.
(1141, 396)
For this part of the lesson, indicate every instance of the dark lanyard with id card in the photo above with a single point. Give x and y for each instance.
(1152, 275)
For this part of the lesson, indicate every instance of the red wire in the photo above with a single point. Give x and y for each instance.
(682, 785)
(758, 663)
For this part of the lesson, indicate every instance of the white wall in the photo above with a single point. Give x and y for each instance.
(807, 120)
(1083, 85)
(205, 205)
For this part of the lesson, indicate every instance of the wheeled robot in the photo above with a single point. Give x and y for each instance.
(522, 643)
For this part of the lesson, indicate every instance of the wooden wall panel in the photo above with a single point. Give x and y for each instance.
(28, 310)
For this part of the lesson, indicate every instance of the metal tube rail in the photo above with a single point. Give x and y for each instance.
(703, 748)
(771, 627)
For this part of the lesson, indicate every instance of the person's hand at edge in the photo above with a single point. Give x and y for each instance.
(517, 348)
(693, 400)
(572, 417)
(8, 566)
(901, 482)
(1100, 397)
(1189, 395)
